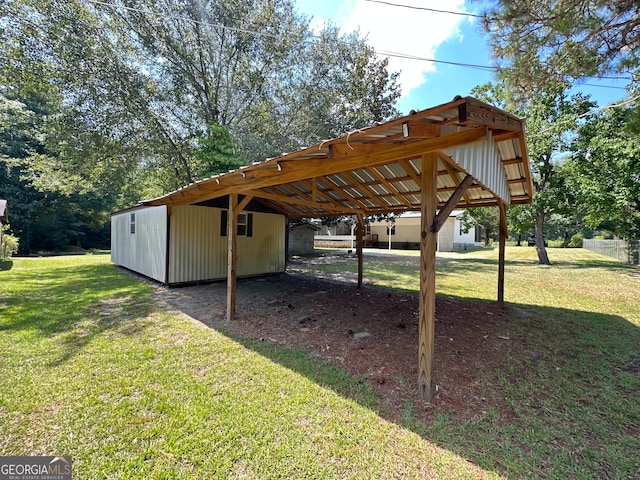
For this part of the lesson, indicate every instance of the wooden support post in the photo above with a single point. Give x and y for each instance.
(428, 238)
(360, 234)
(504, 233)
(232, 236)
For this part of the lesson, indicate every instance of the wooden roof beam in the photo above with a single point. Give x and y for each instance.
(389, 185)
(357, 185)
(473, 112)
(451, 204)
(283, 199)
(295, 170)
(450, 165)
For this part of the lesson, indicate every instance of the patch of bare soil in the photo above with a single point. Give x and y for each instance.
(324, 316)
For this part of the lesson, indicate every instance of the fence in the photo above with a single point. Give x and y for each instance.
(618, 249)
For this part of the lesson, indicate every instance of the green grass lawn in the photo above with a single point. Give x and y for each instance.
(94, 368)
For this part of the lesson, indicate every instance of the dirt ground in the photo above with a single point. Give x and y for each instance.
(323, 315)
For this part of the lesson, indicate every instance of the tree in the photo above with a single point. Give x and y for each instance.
(544, 43)
(520, 219)
(486, 218)
(148, 96)
(155, 76)
(217, 151)
(551, 118)
(52, 207)
(605, 163)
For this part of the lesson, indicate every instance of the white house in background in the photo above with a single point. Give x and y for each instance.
(188, 243)
(405, 233)
(4, 217)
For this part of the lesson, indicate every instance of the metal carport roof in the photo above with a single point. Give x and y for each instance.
(461, 154)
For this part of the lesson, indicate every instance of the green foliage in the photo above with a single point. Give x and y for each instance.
(520, 219)
(576, 241)
(605, 163)
(102, 106)
(217, 151)
(486, 218)
(552, 117)
(146, 89)
(546, 43)
(56, 200)
(9, 244)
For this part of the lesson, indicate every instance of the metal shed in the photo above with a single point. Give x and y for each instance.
(301, 238)
(188, 243)
(461, 154)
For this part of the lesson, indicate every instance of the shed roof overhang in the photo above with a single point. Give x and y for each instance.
(378, 169)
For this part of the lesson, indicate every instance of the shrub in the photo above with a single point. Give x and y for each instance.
(576, 241)
(9, 243)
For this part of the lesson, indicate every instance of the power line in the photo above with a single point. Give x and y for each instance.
(407, 56)
(451, 12)
(380, 52)
(486, 68)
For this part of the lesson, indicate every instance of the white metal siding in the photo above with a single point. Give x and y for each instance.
(445, 235)
(482, 161)
(468, 238)
(198, 252)
(145, 250)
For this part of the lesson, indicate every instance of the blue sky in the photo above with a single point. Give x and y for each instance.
(424, 34)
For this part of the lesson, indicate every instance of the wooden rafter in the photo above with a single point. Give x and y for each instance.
(389, 185)
(449, 164)
(285, 200)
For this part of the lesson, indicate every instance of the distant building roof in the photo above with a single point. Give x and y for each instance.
(4, 214)
(310, 226)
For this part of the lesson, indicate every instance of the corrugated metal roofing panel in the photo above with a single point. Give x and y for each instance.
(284, 189)
(414, 199)
(335, 195)
(363, 176)
(407, 186)
(445, 181)
(369, 203)
(416, 165)
(392, 170)
(507, 150)
(481, 160)
(379, 189)
(392, 201)
(300, 186)
(354, 192)
(338, 180)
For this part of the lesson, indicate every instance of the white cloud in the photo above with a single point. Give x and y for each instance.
(404, 30)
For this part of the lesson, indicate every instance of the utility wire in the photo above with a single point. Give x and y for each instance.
(405, 56)
(486, 68)
(450, 12)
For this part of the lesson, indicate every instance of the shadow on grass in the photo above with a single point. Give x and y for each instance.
(560, 396)
(75, 304)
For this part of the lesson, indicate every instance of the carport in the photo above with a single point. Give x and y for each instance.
(461, 154)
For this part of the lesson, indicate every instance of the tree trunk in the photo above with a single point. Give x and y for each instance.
(543, 258)
(519, 244)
